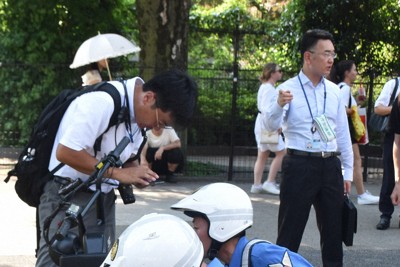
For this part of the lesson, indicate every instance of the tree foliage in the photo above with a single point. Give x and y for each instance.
(365, 31)
(222, 34)
(163, 27)
(215, 26)
(38, 41)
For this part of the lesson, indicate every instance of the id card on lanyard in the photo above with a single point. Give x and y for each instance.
(319, 123)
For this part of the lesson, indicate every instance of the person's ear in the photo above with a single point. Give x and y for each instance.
(149, 97)
(307, 56)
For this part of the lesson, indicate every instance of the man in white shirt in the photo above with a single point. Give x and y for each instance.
(168, 98)
(383, 107)
(311, 169)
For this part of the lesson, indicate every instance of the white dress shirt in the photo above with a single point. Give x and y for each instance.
(87, 118)
(387, 90)
(297, 120)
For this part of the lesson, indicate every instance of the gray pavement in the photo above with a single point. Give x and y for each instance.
(371, 247)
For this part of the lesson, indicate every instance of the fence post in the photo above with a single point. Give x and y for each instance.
(236, 36)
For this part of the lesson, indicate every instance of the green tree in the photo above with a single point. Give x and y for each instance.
(365, 31)
(163, 27)
(214, 26)
(38, 40)
(225, 35)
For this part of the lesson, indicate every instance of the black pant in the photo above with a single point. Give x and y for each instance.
(173, 156)
(311, 181)
(385, 203)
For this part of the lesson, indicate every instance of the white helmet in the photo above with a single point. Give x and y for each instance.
(227, 207)
(156, 240)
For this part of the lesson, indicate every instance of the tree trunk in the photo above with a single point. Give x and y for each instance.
(163, 30)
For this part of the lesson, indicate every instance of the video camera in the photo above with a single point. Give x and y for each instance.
(68, 249)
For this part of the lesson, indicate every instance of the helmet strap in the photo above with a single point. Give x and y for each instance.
(213, 250)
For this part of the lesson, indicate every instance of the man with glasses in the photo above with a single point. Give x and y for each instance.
(316, 133)
(169, 98)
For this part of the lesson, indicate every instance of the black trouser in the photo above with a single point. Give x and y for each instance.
(311, 181)
(385, 203)
(173, 156)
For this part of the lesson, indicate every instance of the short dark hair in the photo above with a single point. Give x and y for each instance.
(176, 92)
(311, 37)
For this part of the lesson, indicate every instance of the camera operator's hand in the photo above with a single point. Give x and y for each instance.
(140, 176)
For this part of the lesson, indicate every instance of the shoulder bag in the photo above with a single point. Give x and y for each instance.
(358, 125)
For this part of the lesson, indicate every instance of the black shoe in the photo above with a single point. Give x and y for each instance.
(383, 224)
(170, 178)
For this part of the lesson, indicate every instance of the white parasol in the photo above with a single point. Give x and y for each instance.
(103, 46)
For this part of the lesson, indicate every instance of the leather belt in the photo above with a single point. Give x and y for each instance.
(312, 154)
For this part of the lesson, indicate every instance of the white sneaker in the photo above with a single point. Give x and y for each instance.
(271, 188)
(256, 189)
(367, 199)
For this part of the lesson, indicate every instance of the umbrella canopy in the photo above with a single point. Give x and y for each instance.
(103, 46)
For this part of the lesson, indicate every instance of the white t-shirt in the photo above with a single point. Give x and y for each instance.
(167, 137)
(87, 118)
(345, 93)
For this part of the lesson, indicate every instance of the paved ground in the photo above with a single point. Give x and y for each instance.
(371, 247)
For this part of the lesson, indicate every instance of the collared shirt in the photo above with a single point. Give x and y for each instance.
(87, 118)
(387, 90)
(215, 263)
(297, 120)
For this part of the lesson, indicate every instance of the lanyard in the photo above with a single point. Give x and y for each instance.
(126, 113)
(313, 128)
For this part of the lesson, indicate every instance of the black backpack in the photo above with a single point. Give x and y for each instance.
(31, 169)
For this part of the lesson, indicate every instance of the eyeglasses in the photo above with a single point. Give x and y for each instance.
(280, 71)
(325, 54)
(159, 123)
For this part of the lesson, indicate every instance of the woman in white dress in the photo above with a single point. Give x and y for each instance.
(270, 75)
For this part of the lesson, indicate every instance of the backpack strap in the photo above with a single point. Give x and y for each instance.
(349, 106)
(396, 86)
(246, 254)
(119, 114)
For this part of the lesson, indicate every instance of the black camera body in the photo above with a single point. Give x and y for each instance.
(126, 193)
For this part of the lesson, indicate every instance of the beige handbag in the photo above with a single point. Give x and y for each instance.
(268, 137)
